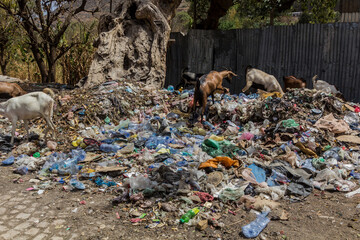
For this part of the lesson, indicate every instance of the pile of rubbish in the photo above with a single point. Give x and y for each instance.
(143, 146)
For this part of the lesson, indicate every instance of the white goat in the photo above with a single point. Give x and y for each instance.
(27, 107)
(257, 76)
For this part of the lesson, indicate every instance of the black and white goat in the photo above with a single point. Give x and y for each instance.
(188, 78)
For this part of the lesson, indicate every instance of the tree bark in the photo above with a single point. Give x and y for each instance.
(132, 42)
(272, 16)
(41, 64)
(3, 61)
(3, 68)
(195, 14)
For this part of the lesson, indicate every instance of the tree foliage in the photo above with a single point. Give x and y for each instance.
(206, 13)
(198, 11)
(8, 30)
(315, 11)
(76, 62)
(181, 22)
(254, 14)
(45, 23)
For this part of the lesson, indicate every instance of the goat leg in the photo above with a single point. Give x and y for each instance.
(226, 90)
(248, 85)
(50, 126)
(203, 106)
(13, 121)
(26, 123)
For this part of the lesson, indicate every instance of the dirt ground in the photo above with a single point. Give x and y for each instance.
(57, 214)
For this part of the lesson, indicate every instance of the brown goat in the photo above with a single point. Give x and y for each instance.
(293, 82)
(12, 89)
(207, 85)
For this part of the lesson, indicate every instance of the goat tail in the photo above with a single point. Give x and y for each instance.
(50, 92)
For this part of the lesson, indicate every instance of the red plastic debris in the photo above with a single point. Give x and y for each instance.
(135, 220)
(204, 197)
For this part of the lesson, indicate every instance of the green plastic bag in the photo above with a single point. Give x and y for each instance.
(230, 194)
(290, 123)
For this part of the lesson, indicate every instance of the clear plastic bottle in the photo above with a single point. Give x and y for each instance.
(78, 155)
(109, 147)
(254, 228)
(231, 123)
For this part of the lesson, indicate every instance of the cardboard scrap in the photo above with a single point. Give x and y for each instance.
(91, 157)
(349, 139)
(329, 122)
(110, 169)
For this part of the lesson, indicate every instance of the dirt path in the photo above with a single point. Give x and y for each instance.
(57, 214)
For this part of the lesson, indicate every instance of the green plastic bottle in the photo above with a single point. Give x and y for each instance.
(189, 215)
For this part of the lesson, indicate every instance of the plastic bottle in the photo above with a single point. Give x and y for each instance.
(332, 153)
(109, 147)
(206, 123)
(124, 133)
(67, 167)
(79, 155)
(189, 215)
(231, 123)
(254, 228)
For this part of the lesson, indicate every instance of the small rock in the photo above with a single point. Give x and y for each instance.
(202, 225)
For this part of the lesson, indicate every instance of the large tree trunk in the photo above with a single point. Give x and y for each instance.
(40, 62)
(133, 41)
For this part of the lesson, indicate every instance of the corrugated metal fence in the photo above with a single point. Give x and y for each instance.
(332, 51)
